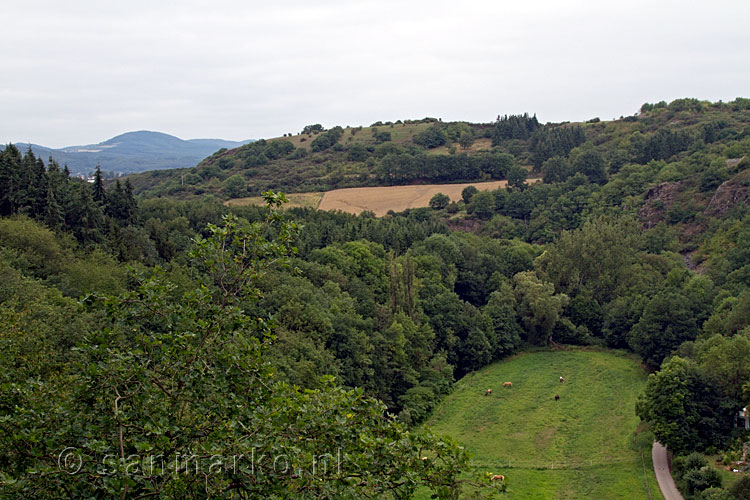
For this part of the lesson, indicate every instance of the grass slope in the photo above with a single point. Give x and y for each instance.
(581, 446)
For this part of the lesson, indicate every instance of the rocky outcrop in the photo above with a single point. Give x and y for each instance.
(731, 193)
(658, 200)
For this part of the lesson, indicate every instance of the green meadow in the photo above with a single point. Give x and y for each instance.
(586, 445)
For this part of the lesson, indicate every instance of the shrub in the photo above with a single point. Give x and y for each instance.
(313, 129)
(466, 139)
(682, 213)
(697, 480)
(299, 153)
(381, 137)
(326, 140)
(684, 463)
(431, 138)
(30, 247)
(715, 494)
(418, 403)
(468, 192)
(235, 186)
(439, 201)
(741, 489)
(482, 205)
(712, 177)
(357, 152)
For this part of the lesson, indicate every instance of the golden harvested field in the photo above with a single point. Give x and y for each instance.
(397, 198)
(377, 199)
(309, 200)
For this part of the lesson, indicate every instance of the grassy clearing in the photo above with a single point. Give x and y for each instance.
(296, 200)
(400, 134)
(728, 478)
(582, 446)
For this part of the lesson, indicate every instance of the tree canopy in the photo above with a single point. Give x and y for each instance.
(181, 376)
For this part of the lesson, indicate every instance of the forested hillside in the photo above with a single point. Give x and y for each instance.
(638, 238)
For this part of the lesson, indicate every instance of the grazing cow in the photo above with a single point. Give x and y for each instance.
(497, 477)
(562, 380)
(508, 384)
(557, 397)
(488, 392)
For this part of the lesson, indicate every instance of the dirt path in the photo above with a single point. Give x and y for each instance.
(661, 468)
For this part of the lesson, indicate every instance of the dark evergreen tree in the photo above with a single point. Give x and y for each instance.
(99, 193)
(27, 194)
(514, 127)
(121, 204)
(53, 215)
(549, 141)
(131, 206)
(40, 186)
(10, 169)
(86, 217)
(661, 145)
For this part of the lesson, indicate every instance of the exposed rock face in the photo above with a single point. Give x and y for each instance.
(465, 225)
(733, 162)
(738, 163)
(732, 192)
(658, 200)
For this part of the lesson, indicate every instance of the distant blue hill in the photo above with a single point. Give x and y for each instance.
(133, 152)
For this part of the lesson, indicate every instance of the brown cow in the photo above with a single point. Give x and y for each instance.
(562, 380)
(508, 384)
(497, 477)
(488, 392)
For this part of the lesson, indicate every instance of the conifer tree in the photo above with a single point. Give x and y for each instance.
(87, 216)
(10, 168)
(100, 194)
(25, 193)
(131, 206)
(53, 214)
(121, 204)
(39, 188)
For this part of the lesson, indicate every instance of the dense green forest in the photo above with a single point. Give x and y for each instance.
(141, 317)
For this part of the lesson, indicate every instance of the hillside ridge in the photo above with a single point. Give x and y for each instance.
(132, 152)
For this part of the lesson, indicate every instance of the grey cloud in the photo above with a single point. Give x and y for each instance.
(82, 71)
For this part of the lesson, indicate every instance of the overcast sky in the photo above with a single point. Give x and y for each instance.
(80, 72)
